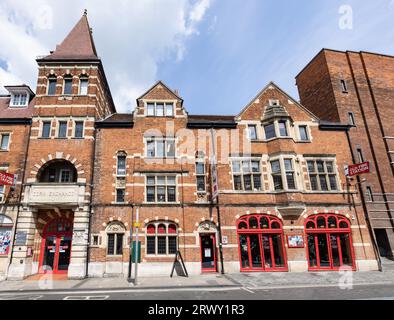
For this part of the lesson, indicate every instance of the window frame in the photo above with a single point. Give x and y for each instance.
(201, 175)
(351, 119)
(115, 247)
(19, 104)
(254, 127)
(2, 135)
(157, 235)
(76, 122)
(241, 174)
(59, 126)
(283, 173)
(83, 79)
(326, 173)
(307, 132)
(51, 79)
(42, 129)
(67, 79)
(344, 86)
(156, 186)
(156, 141)
(165, 105)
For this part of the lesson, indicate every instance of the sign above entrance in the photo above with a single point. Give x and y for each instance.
(7, 178)
(357, 169)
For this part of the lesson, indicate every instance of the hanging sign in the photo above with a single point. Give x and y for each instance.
(6, 178)
(214, 175)
(357, 169)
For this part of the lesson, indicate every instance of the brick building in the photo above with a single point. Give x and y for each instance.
(284, 203)
(357, 88)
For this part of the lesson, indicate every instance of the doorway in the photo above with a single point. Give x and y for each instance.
(56, 247)
(208, 252)
(383, 243)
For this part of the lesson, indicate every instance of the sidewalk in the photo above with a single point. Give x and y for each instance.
(246, 280)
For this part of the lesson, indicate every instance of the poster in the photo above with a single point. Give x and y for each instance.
(5, 240)
(296, 241)
(207, 253)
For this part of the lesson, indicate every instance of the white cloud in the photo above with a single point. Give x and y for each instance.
(132, 38)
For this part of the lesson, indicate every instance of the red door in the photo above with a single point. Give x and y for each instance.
(208, 253)
(56, 247)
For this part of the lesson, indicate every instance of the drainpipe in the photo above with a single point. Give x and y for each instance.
(367, 219)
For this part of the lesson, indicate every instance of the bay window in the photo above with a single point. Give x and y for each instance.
(270, 132)
(283, 174)
(282, 128)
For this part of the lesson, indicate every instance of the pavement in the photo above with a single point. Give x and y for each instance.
(248, 281)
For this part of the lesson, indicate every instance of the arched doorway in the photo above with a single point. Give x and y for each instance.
(208, 252)
(261, 244)
(56, 246)
(329, 242)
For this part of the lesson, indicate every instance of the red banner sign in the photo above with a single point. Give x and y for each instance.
(6, 178)
(359, 168)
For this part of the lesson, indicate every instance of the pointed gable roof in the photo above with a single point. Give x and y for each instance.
(160, 83)
(78, 44)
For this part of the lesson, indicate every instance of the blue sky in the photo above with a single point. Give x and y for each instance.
(218, 53)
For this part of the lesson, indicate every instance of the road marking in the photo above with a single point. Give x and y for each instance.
(248, 290)
(20, 297)
(86, 298)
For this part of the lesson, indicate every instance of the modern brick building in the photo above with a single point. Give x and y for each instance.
(284, 203)
(358, 88)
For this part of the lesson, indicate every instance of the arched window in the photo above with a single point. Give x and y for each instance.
(161, 238)
(329, 242)
(58, 171)
(261, 243)
(5, 234)
(115, 237)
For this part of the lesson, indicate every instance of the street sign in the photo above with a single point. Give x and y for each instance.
(136, 224)
(6, 178)
(357, 169)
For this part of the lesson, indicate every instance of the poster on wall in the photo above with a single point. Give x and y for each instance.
(295, 241)
(5, 240)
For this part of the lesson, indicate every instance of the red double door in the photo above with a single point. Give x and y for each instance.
(55, 253)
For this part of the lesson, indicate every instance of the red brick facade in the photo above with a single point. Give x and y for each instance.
(368, 96)
(91, 170)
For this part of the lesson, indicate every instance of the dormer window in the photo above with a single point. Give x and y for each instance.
(160, 109)
(19, 100)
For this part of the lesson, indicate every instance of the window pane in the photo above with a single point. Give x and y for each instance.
(282, 128)
(288, 165)
(5, 138)
(160, 149)
(323, 183)
(68, 86)
(150, 194)
(200, 168)
(119, 244)
(169, 109)
(150, 146)
(83, 87)
(120, 193)
(236, 166)
(121, 165)
(246, 167)
(172, 247)
(150, 181)
(290, 181)
(257, 182)
(255, 166)
(171, 180)
(278, 182)
(314, 184)
(237, 183)
(248, 182)
(111, 244)
(52, 86)
(275, 166)
(252, 132)
(311, 166)
(160, 110)
(330, 167)
(150, 109)
(171, 148)
(62, 129)
(65, 176)
(270, 131)
(46, 129)
(320, 166)
(16, 99)
(151, 245)
(200, 183)
(303, 133)
(161, 245)
(333, 182)
(171, 194)
(161, 194)
(161, 180)
(79, 129)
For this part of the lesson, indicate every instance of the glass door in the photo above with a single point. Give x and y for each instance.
(49, 257)
(208, 253)
(64, 253)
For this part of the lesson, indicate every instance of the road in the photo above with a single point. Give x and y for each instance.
(359, 292)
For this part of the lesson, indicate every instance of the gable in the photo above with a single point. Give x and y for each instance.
(160, 91)
(256, 109)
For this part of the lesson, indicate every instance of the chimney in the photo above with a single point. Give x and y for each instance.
(176, 91)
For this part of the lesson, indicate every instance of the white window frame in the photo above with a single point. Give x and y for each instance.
(165, 105)
(277, 129)
(241, 173)
(308, 133)
(283, 172)
(70, 175)
(156, 235)
(118, 155)
(204, 175)
(2, 134)
(160, 139)
(83, 79)
(326, 173)
(249, 126)
(165, 185)
(19, 104)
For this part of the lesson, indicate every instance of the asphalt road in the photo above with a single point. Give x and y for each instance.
(359, 292)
